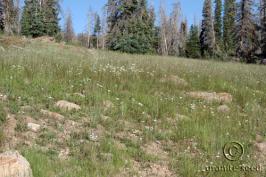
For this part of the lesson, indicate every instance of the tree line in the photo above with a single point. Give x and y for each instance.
(229, 29)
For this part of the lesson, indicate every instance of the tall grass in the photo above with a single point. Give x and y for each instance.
(41, 74)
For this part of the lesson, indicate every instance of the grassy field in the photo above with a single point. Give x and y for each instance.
(133, 121)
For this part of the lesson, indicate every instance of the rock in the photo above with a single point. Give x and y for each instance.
(53, 115)
(212, 96)
(261, 147)
(33, 127)
(12, 164)
(67, 106)
(223, 109)
(174, 79)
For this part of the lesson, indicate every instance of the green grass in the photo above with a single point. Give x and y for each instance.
(41, 74)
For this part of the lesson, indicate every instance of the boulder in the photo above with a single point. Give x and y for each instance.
(67, 106)
(12, 164)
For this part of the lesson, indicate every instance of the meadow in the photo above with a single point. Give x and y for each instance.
(136, 118)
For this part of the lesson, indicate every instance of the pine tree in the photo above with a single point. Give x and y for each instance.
(51, 11)
(193, 43)
(37, 26)
(97, 26)
(129, 27)
(229, 26)
(25, 19)
(263, 28)
(246, 32)
(207, 36)
(2, 24)
(97, 29)
(218, 21)
(32, 21)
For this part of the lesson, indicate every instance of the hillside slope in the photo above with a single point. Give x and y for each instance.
(139, 115)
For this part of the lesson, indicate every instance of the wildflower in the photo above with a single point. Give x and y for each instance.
(140, 104)
(193, 106)
(99, 85)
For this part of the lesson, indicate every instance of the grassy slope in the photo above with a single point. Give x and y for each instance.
(41, 74)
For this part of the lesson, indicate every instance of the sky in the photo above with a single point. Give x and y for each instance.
(191, 9)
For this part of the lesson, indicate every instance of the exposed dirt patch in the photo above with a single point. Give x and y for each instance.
(212, 96)
(155, 149)
(53, 115)
(175, 80)
(107, 104)
(46, 39)
(134, 136)
(13, 41)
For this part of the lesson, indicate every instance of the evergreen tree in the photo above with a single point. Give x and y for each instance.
(51, 11)
(2, 24)
(97, 26)
(129, 26)
(97, 29)
(207, 36)
(247, 41)
(26, 18)
(263, 28)
(193, 43)
(218, 21)
(229, 26)
(32, 22)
